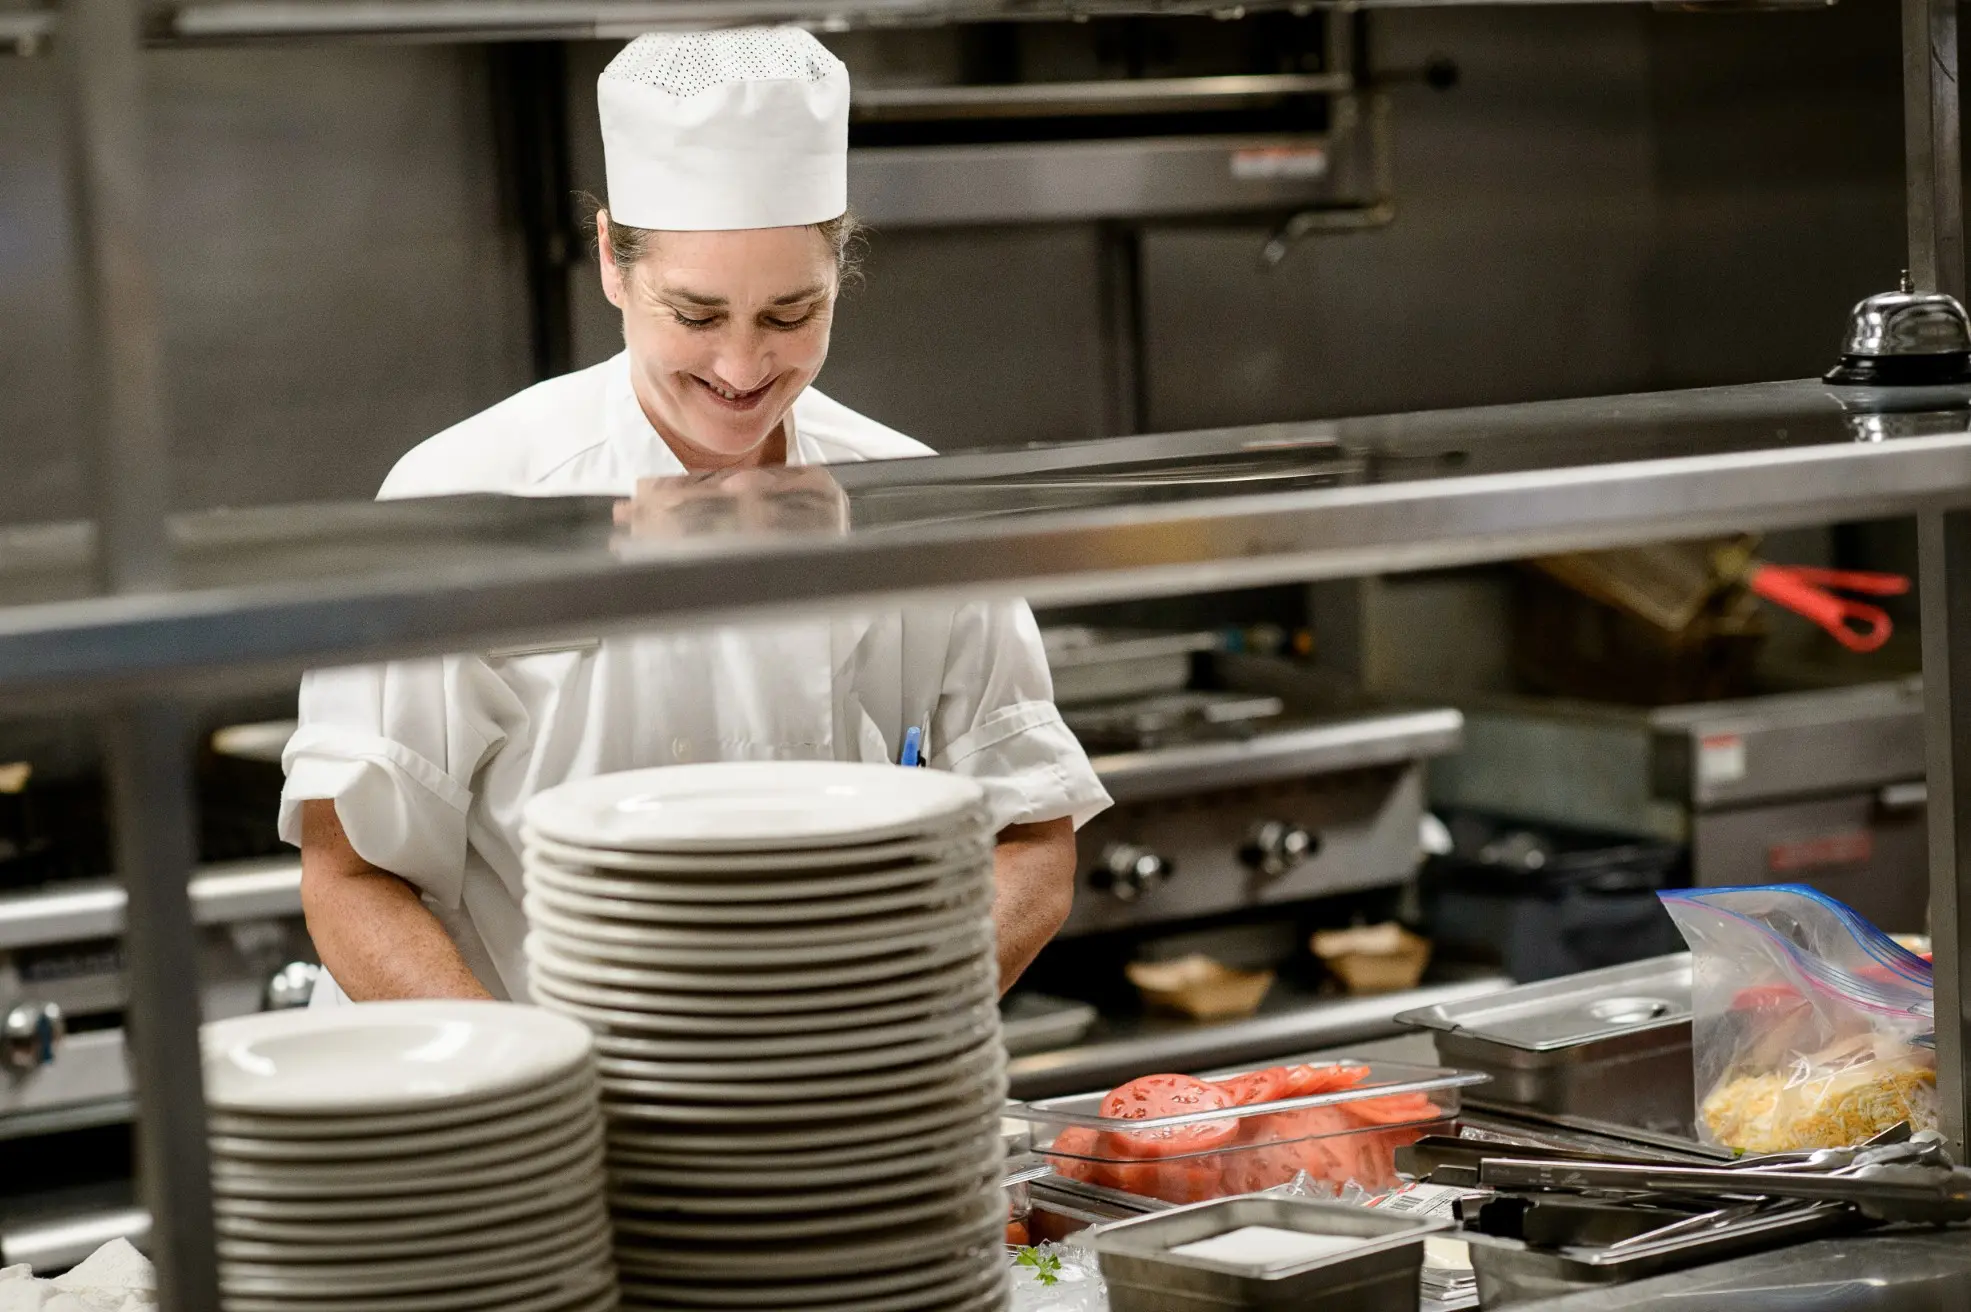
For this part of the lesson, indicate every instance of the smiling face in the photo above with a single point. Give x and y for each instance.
(724, 331)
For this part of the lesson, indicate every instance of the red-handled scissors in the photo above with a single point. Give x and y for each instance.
(1808, 592)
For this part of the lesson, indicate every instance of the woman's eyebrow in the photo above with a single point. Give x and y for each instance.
(795, 298)
(693, 298)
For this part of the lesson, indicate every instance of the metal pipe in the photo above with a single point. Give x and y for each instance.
(1933, 146)
(149, 744)
(129, 470)
(1944, 545)
(1933, 179)
(150, 755)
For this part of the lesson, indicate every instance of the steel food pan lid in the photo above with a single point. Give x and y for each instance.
(1142, 1247)
(1573, 1010)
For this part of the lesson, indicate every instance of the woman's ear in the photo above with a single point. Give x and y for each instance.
(612, 277)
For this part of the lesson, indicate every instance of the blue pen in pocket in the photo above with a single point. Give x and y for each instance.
(911, 738)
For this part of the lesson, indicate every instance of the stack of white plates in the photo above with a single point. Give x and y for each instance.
(408, 1157)
(789, 970)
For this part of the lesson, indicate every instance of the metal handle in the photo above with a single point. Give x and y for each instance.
(29, 1036)
(290, 987)
(1331, 220)
(1903, 796)
(1144, 95)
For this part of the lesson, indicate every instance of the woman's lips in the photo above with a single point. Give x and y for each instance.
(727, 399)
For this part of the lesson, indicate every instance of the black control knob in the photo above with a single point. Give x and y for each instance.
(1275, 847)
(1127, 871)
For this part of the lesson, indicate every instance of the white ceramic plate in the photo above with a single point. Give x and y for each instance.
(877, 1153)
(742, 1081)
(816, 931)
(385, 1056)
(932, 1276)
(731, 917)
(582, 1282)
(439, 1218)
(793, 899)
(906, 1043)
(914, 954)
(802, 1125)
(786, 1032)
(311, 1273)
(738, 1173)
(755, 806)
(437, 1210)
(916, 1240)
(544, 1234)
(775, 1228)
(836, 1097)
(934, 991)
(955, 1179)
(950, 1287)
(617, 1041)
(803, 861)
(605, 944)
(590, 1291)
(952, 1114)
(402, 1147)
(578, 1085)
(570, 1149)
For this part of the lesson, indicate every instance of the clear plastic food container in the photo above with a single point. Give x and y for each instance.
(1021, 1172)
(1348, 1134)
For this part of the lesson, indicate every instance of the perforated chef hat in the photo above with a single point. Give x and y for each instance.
(739, 128)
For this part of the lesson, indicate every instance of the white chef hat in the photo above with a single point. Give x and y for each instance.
(738, 128)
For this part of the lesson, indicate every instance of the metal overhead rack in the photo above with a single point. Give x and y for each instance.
(145, 615)
(27, 27)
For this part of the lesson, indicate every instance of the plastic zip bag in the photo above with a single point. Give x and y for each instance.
(1811, 1028)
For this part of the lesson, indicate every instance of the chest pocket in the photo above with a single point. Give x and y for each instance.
(891, 682)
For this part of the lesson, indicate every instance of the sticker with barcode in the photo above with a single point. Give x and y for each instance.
(1431, 1200)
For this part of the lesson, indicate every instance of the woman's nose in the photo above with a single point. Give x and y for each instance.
(744, 365)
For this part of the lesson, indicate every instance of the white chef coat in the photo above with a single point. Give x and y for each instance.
(430, 762)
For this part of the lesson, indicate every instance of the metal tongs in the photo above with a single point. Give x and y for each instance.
(1912, 1181)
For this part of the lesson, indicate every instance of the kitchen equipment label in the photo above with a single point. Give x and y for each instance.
(1279, 164)
(1720, 759)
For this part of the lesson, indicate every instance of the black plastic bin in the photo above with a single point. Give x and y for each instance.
(1539, 900)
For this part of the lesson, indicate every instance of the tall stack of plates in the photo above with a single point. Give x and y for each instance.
(789, 970)
(408, 1157)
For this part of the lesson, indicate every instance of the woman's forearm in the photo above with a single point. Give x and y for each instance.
(1033, 879)
(373, 932)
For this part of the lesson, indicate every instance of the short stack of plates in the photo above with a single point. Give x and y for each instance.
(789, 970)
(408, 1157)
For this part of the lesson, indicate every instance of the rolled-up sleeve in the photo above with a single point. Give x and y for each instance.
(396, 747)
(998, 723)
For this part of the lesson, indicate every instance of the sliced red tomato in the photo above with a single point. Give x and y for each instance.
(1398, 1109)
(1016, 1234)
(1071, 1152)
(1252, 1087)
(1153, 1097)
(1306, 1081)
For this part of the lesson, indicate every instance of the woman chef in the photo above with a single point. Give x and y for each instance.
(723, 242)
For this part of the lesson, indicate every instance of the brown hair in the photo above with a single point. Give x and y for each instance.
(628, 246)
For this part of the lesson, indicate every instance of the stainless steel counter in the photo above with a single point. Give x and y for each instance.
(1908, 1271)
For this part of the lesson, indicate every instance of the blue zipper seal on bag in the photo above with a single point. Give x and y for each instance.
(911, 738)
